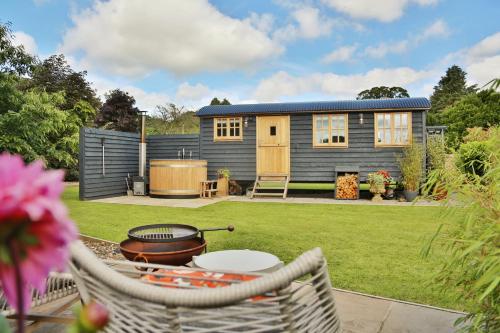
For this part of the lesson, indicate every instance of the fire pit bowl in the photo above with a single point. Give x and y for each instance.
(176, 253)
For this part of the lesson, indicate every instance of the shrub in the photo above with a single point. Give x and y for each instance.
(472, 238)
(436, 152)
(478, 134)
(411, 166)
(376, 179)
(473, 158)
(223, 173)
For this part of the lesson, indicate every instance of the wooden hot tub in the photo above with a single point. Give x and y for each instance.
(176, 177)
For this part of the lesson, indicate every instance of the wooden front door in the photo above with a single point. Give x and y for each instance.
(273, 145)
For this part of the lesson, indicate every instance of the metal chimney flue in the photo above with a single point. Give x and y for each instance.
(140, 181)
(142, 145)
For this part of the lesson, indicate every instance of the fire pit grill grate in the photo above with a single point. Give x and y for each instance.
(168, 232)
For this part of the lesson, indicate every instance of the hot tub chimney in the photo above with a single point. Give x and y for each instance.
(140, 181)
(142, 145)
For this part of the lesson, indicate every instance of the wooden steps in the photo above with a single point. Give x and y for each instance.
(267, 185)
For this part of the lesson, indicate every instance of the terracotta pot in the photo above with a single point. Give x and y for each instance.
(222, 186)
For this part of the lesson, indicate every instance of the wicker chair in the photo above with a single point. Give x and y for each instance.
(60, 294)
(269, 303)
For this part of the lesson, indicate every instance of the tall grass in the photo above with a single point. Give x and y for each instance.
(472, 240)
(411, 164)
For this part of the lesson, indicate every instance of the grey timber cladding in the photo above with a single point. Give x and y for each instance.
(307, 163)
(121, 155)
(318, 164)
(237, 156)
(169, 146)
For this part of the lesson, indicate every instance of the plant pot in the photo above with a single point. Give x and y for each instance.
(377, 190)
(410, 195)
(222, 187)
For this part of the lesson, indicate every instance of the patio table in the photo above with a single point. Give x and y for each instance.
(238, 260)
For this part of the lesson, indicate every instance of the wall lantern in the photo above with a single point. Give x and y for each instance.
(245, 121)
(361, 119)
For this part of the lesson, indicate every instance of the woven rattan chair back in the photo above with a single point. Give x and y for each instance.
(171, 303)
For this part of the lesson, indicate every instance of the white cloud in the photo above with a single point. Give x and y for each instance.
(262, 22)
(481, 61)
(437, 29)
(185, 91)
(145, 100)
(489, 46)
(342, 54)
(382, 10)
(485, 70)
(132, 39)
(382, 49)
(334, 85)
(309, 24)
(26, 40)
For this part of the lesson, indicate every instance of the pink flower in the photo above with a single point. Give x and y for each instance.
(34, 222)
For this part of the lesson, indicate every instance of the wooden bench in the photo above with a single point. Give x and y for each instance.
(208, 188)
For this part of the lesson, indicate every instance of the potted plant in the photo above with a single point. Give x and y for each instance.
(411, 164)
(377, 185)
(389, 182)
(223, 181)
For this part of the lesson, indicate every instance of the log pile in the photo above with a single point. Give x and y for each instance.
(347, 187)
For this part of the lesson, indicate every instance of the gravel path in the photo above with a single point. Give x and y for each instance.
(103, 249)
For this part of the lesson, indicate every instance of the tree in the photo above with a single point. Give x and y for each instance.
(55, 75)
(450, 88)
(480, 109)
(41, 130)
(10, 96)
(171, 119)
(383, 92)
(118, 112)
(216, 101)
(13, 59)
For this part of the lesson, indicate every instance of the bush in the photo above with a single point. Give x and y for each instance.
(411, 166)
(473, 158)
(478, 134)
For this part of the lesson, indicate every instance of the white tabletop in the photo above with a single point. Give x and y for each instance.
(238, 260)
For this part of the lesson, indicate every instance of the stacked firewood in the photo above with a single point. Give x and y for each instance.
(347, 187)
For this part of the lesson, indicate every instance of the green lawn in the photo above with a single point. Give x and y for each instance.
(371, 249)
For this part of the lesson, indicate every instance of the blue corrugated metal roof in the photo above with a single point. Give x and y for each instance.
(415, 103)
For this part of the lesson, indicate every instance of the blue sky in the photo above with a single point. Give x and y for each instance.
(186, 52)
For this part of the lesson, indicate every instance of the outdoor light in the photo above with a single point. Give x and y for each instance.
(245, 121)
(361, 120)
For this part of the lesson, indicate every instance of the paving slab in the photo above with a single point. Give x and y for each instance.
(161, 202)
(361, 313)
(199, 202)
(406, 318)
(331, 201)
